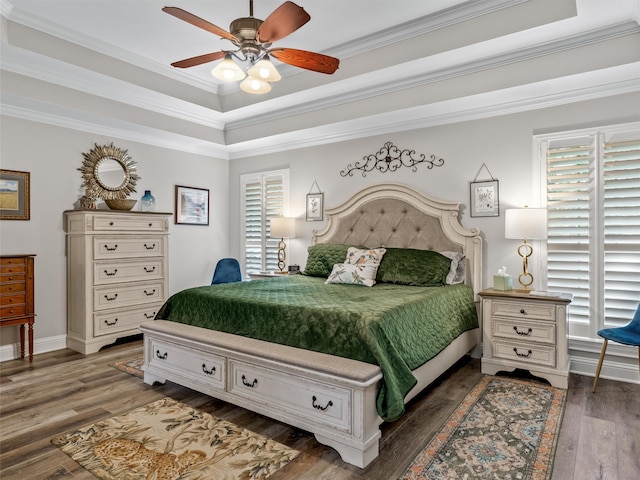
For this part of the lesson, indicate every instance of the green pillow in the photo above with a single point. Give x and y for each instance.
(408, 266)
(322, 257)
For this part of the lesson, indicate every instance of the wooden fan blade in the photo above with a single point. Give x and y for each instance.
(304, 59)
(283, 21)
(199, 60)
(200, 23)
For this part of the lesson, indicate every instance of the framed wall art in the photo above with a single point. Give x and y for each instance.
(315, 207)
(192, 206)
(485, 199)
(14, 195)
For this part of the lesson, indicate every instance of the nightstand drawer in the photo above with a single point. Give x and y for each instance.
(529, 310)
(528, 331)
(526, 353)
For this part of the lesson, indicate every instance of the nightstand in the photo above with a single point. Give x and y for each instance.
(527, 331)
(265, 275)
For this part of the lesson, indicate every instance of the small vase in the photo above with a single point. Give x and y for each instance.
(147, 202)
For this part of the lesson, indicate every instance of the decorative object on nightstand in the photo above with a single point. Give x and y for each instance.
(17, 298)
(502, 281)
(528, 331)
(527, 224)
(148, 202)
(282, 227)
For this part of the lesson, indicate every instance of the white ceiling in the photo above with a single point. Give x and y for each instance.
(384, 46)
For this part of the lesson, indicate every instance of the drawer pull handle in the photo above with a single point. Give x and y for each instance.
(110, 299)
(148, 294)
(163, 356)
(153, 245)
(149, 315)
(523, 355)
(208, 372)
(111, 274)
(247, 384)
(320, 407)
(149, 270)
(111, 224)
(526, 334)
(523, 311)
(151, 224)
(111, 249)
(115, 320)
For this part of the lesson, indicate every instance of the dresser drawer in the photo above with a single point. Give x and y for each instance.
(128, 246)
(127, 294)
(13, 311)
(13, 269)
(528, 310)
(7, 288)
(143, 223)
(13, 299)
(106, 272)
(194, 364)
(119, 320)
(321, 402)
(520, 330)
(526, 353)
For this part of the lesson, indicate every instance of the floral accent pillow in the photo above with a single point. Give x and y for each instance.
(359, 268)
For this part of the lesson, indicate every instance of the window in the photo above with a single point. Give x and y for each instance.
(264, 196)
(593, 246)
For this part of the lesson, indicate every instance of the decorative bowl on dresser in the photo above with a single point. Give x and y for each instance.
(17, 306)
(528, 331)
(117, 274)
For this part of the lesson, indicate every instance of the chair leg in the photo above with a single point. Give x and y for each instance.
(604, 349)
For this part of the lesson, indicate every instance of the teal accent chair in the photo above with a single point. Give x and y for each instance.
(628, 335)
(227, 271)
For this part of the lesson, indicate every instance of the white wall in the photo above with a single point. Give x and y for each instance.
(52, 155)
(503, 143)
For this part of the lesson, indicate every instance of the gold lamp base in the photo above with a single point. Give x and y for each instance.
(525, 279)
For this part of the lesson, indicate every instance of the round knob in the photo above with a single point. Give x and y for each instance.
(522, 311)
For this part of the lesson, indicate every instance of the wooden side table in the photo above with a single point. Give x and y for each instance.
(527, 331)
(265, 275)
(17, 306)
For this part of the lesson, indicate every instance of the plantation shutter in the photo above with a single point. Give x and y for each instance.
(264, 196)
(593, 245)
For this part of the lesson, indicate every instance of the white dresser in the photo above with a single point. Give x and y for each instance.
(117, 274)
(525, 331)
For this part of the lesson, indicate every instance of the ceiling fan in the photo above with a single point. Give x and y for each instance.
(253, 38)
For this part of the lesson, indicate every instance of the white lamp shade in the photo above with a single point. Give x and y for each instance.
(264, 70)
(283, 227)
(529, 223)
(254, 85)
(228, 70)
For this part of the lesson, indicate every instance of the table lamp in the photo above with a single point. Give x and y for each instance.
(282, 227)
(527, 224)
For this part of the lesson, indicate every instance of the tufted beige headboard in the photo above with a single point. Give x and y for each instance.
(394, 215)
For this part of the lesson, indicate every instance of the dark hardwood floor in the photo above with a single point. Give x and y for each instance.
(63, 390)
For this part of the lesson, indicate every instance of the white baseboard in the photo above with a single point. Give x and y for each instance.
(620, 362)
(41, 345)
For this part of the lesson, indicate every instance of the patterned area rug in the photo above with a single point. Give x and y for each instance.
(132, 366)
(504, 429)
(168, 440)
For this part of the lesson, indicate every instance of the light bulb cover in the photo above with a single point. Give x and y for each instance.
(228, 70)
(264, 70)
(255, 85)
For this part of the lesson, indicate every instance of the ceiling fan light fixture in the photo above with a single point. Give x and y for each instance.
(255, 85)
(264, 70)
(228, 70)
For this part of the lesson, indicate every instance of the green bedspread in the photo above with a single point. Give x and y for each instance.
(396, 327)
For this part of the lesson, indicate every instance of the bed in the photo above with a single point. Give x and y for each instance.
(280, 356)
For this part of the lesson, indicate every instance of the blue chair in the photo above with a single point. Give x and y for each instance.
(628, 335)
(227, 271)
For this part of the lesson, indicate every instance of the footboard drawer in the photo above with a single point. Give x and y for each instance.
(321, 402)
(202, 367)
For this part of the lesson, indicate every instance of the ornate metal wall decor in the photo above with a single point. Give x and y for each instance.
(389, 159)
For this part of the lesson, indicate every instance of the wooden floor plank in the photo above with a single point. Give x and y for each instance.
(86, 389)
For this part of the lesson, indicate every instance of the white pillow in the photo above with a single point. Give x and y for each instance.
(359, 268)
(353, 274)
(457, 272)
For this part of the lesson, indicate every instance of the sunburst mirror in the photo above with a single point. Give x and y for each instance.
(109, 173)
